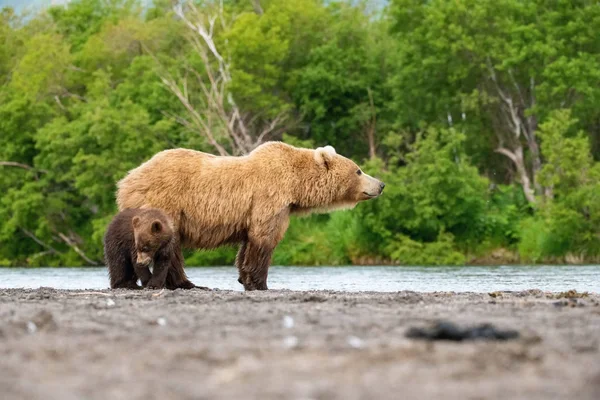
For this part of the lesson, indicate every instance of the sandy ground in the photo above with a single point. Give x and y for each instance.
(59, 344)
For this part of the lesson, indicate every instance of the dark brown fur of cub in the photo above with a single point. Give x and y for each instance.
(136, 238)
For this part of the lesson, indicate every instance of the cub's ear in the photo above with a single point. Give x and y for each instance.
(324, 155)
(156, 227)
(136, 222)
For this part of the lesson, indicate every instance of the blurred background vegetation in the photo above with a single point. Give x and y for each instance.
(482, 117)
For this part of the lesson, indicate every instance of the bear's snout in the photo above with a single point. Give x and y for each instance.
(371, 187)
(143, 258)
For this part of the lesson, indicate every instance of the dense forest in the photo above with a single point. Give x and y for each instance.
(482, 117)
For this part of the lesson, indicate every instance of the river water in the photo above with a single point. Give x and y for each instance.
(352, 278)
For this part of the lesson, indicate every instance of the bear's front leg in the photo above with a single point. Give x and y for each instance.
(143, 272)
(256, 266)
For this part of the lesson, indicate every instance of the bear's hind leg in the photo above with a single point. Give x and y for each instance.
(239, 262)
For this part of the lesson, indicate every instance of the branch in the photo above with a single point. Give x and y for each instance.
(60, 104)
(372, 126)
(280, 117)
(257, 8)
(514, 114)
(507, 153)
(532, 90)
(16, 164)
(74, 246)
(21, 165)
(39, 241)
(197, 117)
(219, 109)
(517, 158)
(518, 88)
(37, 255)
(495, 80)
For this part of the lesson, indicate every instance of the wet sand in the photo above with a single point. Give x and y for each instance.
(62, 344)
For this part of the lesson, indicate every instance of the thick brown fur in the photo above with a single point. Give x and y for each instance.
(215, 201)
(136, 238)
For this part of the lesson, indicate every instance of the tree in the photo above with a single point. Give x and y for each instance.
(498, 66)
(572, 215)
(212, 109)
(341, 91)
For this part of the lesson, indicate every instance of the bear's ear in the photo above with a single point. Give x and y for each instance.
(156, 227)
(136, 222)
(324, 155)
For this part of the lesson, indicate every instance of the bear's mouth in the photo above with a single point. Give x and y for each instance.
(369, 194)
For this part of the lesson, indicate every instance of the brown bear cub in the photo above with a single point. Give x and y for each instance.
(135, 239)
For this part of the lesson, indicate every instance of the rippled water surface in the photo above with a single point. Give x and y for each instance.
(382, 279)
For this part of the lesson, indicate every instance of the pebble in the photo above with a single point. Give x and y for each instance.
(288, 322)
(355, 342)
(31, 327)
(290, 342)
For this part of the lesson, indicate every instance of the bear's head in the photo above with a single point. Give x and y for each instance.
(335, 182)
(152, 231)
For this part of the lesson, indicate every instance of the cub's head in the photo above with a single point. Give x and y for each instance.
(152, 230)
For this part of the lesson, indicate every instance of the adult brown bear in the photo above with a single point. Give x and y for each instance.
(215, 201)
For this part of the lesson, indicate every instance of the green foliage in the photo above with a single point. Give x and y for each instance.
(341, 89)
(572, 214)
(442, 251)
(320, 240)
(222, 256)
(437, 192)
(533, 240)
(418, 88)
(460, 61)
(81, 19)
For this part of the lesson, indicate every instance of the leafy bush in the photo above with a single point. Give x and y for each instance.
(438, 195)
(406, 251)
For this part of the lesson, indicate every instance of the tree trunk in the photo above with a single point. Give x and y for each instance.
(371, 126)
(516, 157)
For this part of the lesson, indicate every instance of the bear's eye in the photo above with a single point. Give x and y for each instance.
(145, 249)
(358, 172)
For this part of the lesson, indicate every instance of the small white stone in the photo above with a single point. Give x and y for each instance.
(110, 302)
(290, 342)
(31, 327)
(355, 342)
(288, 322)
(161, 321)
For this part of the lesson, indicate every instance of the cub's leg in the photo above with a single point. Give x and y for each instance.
(143, 272)
(120, 270)
(159, 272)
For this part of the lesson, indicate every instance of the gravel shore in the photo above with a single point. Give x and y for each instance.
(64, 344)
